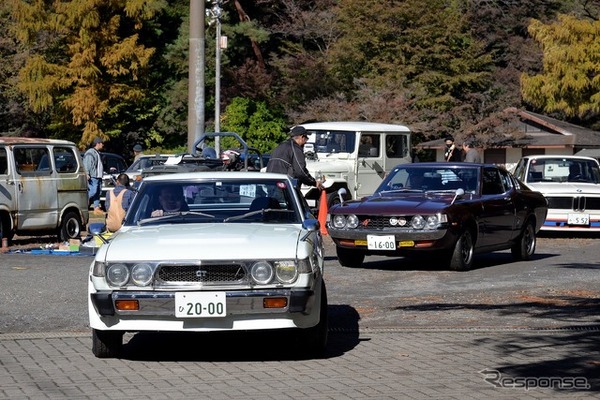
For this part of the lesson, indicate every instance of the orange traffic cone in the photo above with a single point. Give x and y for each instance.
(323, 212)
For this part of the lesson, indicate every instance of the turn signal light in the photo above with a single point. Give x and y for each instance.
(275, 302)
(127, 305)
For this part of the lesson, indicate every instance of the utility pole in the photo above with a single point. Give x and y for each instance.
(196, 96)
(215, 14)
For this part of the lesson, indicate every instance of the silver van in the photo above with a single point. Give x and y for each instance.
(43, 188)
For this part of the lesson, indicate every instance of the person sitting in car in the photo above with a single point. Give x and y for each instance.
(171, 201)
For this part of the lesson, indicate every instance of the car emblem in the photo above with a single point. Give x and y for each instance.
(201, 273)
(365, 222)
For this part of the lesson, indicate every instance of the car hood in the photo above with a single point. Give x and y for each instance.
(331, 164)
(569, 188)
(396, 204)
(203, 241)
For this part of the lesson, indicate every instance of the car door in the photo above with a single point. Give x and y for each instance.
(8, 198)
(36, 190)
(370, 166)
(498, 215)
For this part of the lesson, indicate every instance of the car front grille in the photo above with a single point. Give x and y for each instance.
(213, 273)
(578, 203)
(371, 223)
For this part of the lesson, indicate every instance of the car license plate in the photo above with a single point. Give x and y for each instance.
(578, 219)
(387, 242)
(200, 304)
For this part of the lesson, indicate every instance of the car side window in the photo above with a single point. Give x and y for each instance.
(492, 182)
(396, 146)
(64, 160)
(506, 181)
(3, 161)
(32, 161)
(369, 145)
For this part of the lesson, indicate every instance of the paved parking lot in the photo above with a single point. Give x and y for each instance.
(371, 364)
(398, 331)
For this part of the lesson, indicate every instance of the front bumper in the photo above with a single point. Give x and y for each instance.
(245, 311)
(407, 240)
(558, 221)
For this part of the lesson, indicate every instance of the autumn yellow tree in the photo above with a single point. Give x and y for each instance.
(96, 59)
(570, 80)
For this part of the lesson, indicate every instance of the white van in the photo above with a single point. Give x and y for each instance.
(354, 155)
(43, 188)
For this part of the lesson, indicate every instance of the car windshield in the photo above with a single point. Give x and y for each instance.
(146, 162)
(421, 179)
(208, 201)
(563, 170)
(331, 141)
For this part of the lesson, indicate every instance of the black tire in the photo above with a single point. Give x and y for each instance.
(70, 227)
(5, 231)
(333, 199)
(350, 258)
(462, 255)
(524, 247)
(107, 344)
(313, 341)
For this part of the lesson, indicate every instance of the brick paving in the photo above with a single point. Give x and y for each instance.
(370, 364)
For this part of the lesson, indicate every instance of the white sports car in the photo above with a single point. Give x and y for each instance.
(211, 251)
(572, 186)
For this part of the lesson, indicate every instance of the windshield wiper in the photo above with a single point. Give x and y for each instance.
(175, 216)
(252, 213)
(400, 191)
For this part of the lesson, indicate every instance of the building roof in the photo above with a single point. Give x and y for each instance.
(548, 132)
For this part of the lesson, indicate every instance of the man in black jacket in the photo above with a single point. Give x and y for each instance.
(451, 153)
(288, 158)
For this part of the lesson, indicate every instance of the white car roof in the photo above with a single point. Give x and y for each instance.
(565, 156)
(219, 175)
(360, 126)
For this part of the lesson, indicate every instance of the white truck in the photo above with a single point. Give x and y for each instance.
(353, 155)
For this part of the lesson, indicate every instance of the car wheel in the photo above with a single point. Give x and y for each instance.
(70, 227)
(107, 344)
(524, 248)
(462, 256)
(5, 231)
(349, 257)
(314, 340)
(333, 199)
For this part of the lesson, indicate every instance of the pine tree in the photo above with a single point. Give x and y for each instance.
(570, 81)
(96, 63)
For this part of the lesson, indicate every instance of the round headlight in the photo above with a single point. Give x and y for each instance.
(141, 274)
(117, 274)
(417, 222)
(339, 221)
(286, 271)
(262, 272)
(432, 222)
(352, 221)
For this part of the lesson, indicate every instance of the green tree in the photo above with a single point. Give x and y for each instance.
(99, 66)
(570, 81)
(255, 122)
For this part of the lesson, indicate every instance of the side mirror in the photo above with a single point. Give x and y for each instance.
(311, 225)
(460, 192)
(341, 193)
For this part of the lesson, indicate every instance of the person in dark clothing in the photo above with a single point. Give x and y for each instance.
(451, 153)
(288, 158)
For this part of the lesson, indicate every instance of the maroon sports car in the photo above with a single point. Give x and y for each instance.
(449, 210)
